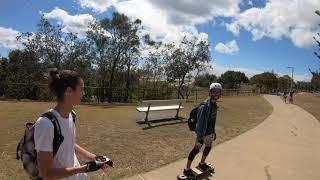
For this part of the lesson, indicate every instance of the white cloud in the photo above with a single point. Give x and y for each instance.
(77, 24)
(8, 38)
(185, 12)
(97, 5)
(233, 27)
(294, 19)
(250, 3)
(302, 37)
(228, 48)
(154, 20)
(168, 20)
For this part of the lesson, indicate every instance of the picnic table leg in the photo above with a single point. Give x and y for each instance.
(147, 115)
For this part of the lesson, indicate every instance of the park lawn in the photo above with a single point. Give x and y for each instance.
(111, 130)
(309, 102)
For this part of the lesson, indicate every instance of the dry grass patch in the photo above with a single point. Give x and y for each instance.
(112, 130)
(309, 102)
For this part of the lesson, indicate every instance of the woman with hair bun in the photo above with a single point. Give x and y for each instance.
(57, 153)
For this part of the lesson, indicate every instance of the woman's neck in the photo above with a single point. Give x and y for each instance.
(63, 109)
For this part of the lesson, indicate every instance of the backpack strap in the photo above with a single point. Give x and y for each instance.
(203, 104)
(18, 152)
(58, 137)
(74, 115)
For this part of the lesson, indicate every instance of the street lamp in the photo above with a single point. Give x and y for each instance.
(292, 69)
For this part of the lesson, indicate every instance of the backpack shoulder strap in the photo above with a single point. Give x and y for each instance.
(201, 104)
(58, 137)
(74, 115)
(54, 120)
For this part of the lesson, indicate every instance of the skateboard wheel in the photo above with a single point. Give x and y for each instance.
(182, 177)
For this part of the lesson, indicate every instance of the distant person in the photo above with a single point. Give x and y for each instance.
(285, 96)
(206, 114)
(291, 97)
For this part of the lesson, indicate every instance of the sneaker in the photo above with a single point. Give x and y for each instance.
(189, 173)
(204, 166)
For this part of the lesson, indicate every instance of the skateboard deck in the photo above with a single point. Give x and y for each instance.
(197, 172)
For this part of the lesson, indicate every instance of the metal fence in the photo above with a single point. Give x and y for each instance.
(118, 94)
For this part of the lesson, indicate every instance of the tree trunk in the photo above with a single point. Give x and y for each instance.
(179, 88)
(128, 82)
(114, 65)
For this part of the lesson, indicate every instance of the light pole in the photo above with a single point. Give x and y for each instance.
(291, 84)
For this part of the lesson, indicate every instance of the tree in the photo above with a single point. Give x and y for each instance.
(50, 47)
(54, 48)
(131, 53)
(156, 66)
(315, 81)
(76, 55)
(267, 81)
(115, 43)
(123, 36)
(204, 80)
(317, 39)
(50, 40)
(153, 65)
(304, 86)
(99, 47)
(232, 79)
(284, 83)
(3, 74)
(23, 67)
(181, 61)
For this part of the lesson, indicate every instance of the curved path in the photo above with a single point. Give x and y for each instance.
(286, 146)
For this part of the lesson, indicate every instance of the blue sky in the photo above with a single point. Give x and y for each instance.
(250, 36)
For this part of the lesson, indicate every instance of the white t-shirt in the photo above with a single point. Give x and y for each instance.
(43, 138)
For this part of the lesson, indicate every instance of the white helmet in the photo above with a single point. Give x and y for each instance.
(215, 86)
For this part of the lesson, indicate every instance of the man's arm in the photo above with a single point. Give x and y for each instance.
(84, 153)
(46, 172)
(200, 117)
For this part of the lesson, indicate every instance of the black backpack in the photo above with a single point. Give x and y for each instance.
(26, 147)
(192, 121)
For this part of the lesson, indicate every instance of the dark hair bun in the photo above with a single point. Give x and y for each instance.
(54, 74)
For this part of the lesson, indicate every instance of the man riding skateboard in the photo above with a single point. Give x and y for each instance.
(205, 129)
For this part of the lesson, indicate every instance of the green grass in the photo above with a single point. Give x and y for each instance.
(112, 131)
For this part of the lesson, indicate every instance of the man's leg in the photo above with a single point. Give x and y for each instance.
(193, 154)
(206, 151)
(208, 143)
(187, 171)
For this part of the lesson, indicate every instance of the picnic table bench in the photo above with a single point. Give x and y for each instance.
(151, 105)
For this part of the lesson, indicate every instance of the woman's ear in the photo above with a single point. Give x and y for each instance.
(68, 91)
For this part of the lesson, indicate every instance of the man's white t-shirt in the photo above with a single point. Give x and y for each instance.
(65, 156)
